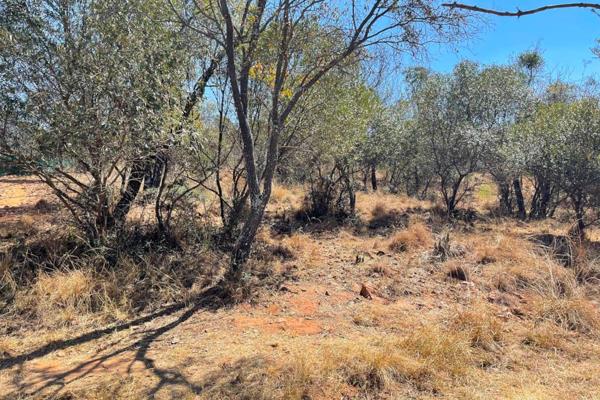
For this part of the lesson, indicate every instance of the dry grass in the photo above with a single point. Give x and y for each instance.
(538, 274)
(63, 298)
(546, 336)
(417, 236)
(129, 388)
(574, 314)
(286, 196)
(481, 325)
(380, 210)
(499, 248)
(304, 248)
(8, 285)
(457, 269)
(523, 326)
(428, 360)
(89, 289)
(62, 295)
(554, 291)
(367, 202)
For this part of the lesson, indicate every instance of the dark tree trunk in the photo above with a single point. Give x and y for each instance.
(506, 205)
(580, 225)
(134, 184)
(154, 169)
(349, 189)
(373, 177)
(540, 201)
(522, 213)
(579, 229)
(451, 199)
(157, 166)
(233, 217)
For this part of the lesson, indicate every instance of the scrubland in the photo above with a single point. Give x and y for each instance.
(395, 303)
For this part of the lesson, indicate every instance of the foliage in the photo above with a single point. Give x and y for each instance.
(563, 139)
(84, 97)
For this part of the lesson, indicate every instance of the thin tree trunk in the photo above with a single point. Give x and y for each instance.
(580, 215)
(540, 201)
(506, 205)
(243, 245)
(519, 198)
(373, 177)
(134, 184)
(580, 225)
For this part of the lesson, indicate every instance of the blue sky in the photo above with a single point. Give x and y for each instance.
(565, 38)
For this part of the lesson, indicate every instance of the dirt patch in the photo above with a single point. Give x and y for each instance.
(47, 373)
(289, 325)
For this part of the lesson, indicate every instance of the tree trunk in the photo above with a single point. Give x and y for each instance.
(519, 198)
(541, 199)
(232, 218)
(506, 205)
(154, 169)
(579, 228)
(373, 177)
(349, 189)
(580, 225)
(134, 184)
(243, 245)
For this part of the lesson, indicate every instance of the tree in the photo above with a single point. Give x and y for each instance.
(346, 31)
(531, 62)
(89, 88)
(567, 137)
(504, 99)
(464, 117)
(338, 142)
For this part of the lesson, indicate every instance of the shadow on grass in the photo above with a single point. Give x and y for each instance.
(211, 300)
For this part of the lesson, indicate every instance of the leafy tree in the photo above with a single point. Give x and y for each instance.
(335, 149)
(347, 31)
(505, 98)
(565, 137)
(89, 88)
(458, 115)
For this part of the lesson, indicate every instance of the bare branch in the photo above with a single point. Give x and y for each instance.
(520, 13)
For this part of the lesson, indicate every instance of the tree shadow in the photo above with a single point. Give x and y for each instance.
(19, 180)
(211, 300)
(382, 222)
(245, 375)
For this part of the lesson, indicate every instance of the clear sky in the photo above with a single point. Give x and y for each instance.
(564, 36)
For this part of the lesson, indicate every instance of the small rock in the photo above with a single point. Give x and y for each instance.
(459, 273)
(326, 293)
(365, 292)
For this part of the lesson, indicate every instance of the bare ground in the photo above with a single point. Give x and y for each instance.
(497, 318)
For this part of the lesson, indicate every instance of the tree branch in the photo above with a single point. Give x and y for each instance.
(520, 13)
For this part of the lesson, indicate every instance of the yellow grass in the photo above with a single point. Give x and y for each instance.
(417, 236)
(522, 327)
